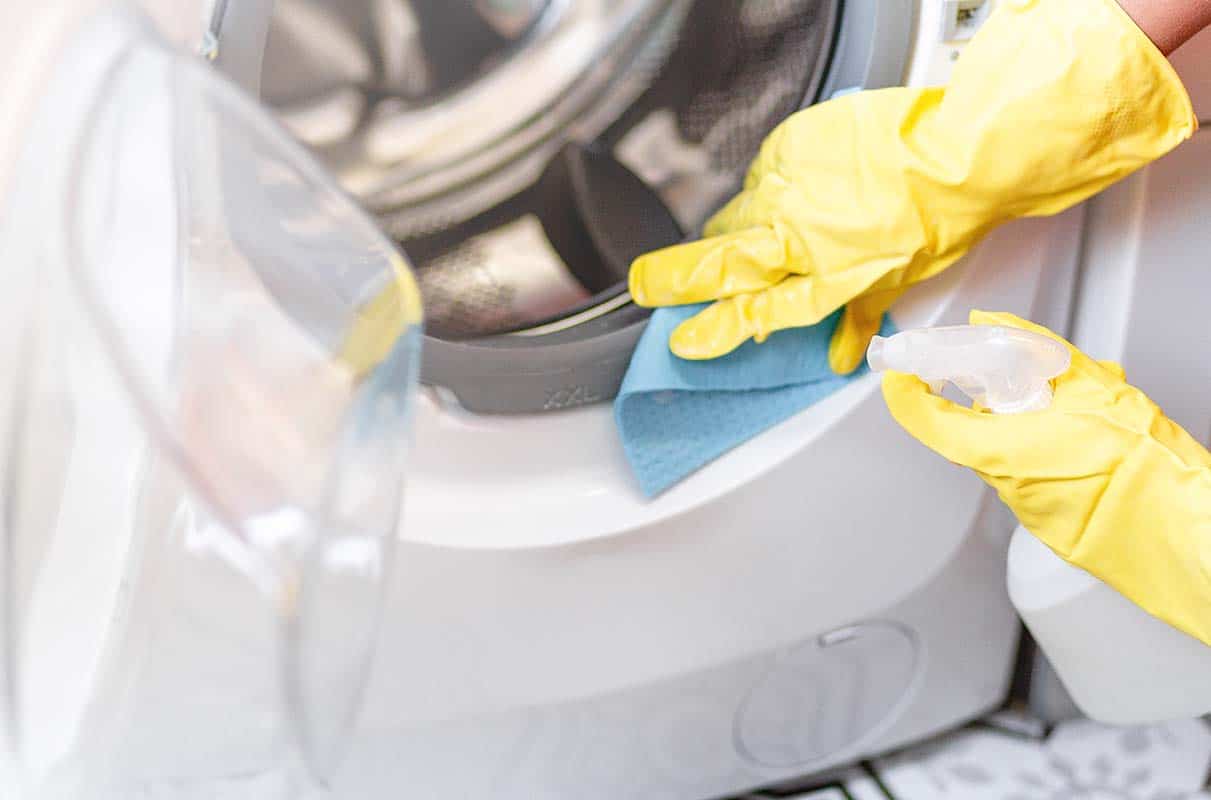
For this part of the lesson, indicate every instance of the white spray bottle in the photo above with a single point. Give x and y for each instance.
(1006, 370)
(1120, 665)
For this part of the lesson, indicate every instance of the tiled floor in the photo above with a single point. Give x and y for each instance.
(1076, 761)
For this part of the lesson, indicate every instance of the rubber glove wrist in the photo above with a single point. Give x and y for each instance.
(1108, 93)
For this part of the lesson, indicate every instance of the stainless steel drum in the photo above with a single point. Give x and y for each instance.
(523, 152)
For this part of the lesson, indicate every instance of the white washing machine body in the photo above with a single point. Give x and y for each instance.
(825, 592)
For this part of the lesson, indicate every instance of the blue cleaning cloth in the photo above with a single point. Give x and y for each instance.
(676, 416)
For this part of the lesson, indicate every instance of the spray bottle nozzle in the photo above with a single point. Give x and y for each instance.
(1007, 370)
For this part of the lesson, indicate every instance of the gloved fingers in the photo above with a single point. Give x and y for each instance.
(710, 269)
(1035, 448)
(729, 323)
(717, 330)
(969, 437)
(861, 321)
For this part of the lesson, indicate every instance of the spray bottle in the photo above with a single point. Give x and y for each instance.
(1120, 665)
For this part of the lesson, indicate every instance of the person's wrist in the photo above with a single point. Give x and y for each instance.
(1169, 23)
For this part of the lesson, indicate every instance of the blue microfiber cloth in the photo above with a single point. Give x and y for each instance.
(676, 416)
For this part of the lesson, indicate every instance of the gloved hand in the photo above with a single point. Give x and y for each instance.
(1102, 477)
(852, 201)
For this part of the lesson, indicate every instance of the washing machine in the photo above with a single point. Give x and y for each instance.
(828, 591)
(539, 628)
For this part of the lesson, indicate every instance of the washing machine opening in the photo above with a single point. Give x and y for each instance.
(522, 159)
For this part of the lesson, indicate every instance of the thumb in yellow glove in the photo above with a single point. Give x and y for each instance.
(1102, 477)
(852, 201)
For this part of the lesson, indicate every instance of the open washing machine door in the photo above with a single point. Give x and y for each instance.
(208, 362)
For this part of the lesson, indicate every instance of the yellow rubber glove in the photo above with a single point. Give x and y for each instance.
(1102, 477)
(852, 201)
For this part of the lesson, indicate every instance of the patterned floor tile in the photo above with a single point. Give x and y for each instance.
(1079, 760)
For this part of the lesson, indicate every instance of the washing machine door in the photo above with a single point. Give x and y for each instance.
(526, 153)
(207, 366)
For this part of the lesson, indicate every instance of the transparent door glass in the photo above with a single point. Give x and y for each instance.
(213, 358)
